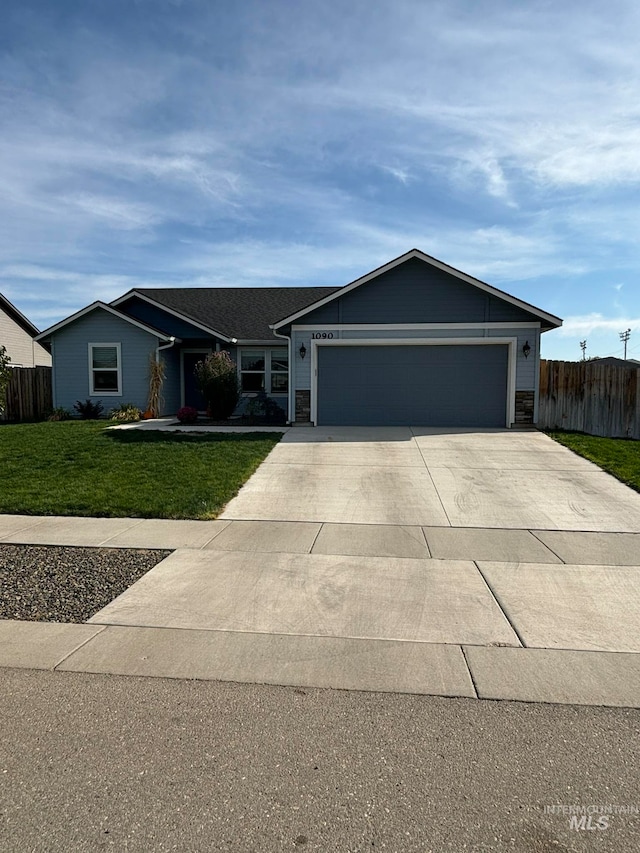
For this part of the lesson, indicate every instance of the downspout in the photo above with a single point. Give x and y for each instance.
(159, 349)
(291, 373)
(172, 341)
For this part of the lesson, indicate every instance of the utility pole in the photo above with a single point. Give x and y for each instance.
(624, 336)
(583, 347)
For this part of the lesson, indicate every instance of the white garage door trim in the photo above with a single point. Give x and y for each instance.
(511, 343)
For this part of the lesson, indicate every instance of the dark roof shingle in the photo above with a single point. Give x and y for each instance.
(236, 312)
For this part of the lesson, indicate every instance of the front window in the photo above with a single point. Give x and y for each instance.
(264, 370)
(104, 369)
(252, 370)
(279, 371)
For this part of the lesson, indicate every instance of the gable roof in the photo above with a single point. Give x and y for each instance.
(231, 312)
(103, 306)
(548, 321)
(17, 316)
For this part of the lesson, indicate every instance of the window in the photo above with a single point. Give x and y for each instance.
(252, 370)
(104, 369)
(279, 371)
(264, 370)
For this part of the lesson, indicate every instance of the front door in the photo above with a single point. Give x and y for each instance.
(192, 396)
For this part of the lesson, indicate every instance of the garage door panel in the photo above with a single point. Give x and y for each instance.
(404, 385)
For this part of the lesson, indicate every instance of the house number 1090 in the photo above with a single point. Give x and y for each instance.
(321, 335)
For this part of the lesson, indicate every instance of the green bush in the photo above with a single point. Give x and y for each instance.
(263, 410)
(60, 414)
(217, 380)
(89, 411)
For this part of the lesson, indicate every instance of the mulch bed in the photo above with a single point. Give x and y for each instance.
(45, 583)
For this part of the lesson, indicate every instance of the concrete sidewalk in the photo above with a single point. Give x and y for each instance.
(524, 614)
(455, 562)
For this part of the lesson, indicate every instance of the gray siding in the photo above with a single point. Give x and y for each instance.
(431, 385)
(416, 292)
(159, 319)
(71, 360)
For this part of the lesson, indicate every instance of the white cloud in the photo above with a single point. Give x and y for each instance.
(306, 143)
(596, 322)
(401, 175)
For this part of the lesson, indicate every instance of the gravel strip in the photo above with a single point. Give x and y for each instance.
(42, 583)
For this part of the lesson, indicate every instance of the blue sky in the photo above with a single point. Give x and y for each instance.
(278, 142)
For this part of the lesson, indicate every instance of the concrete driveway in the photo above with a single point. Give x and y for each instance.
(483, 563)
(434, 477)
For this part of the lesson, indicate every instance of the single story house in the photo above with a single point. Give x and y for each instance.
(414, 342)
(17, 335)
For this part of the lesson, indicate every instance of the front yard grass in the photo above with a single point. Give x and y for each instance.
(617, 456)
(81, 468)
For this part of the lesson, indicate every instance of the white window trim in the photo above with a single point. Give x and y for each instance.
(512, 343)
(100, 392)
(267, 370)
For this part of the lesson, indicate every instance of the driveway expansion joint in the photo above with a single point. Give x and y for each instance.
(432, 480)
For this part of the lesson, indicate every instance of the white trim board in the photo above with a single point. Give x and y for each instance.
(511, 343)
(416, 253)
(156, 333)
(184, 317)
(402, 327)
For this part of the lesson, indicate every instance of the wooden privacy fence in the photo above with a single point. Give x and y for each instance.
(29, 396)
(599, 399)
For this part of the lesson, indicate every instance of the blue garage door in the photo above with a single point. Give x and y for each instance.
(413, 385)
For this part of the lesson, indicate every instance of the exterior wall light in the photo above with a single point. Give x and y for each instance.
(526, 349)
(303, 350)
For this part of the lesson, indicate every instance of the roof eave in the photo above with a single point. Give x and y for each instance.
(18, 317)
(553, 321)
(156, 333)
(184, 317)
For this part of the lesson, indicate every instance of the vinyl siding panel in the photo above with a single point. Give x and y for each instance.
(415, 292)
(71, 360)
(159, 319)
(21, 348)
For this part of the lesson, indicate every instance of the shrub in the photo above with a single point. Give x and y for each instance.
(89, 411)
(217, 380)
(59, 414)
(125, 413)
(262, 409)
(187, 415)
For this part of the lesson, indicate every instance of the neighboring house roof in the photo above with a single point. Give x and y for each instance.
(17, 316)
(231, 312)
(104, 307)
(616, 362)
(548, 321)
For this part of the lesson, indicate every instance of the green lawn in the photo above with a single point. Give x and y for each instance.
(617, 456)
(81, 468)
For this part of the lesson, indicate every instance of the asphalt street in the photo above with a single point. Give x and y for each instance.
(98, 762)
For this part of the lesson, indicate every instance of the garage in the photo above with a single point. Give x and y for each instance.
(465, 385)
